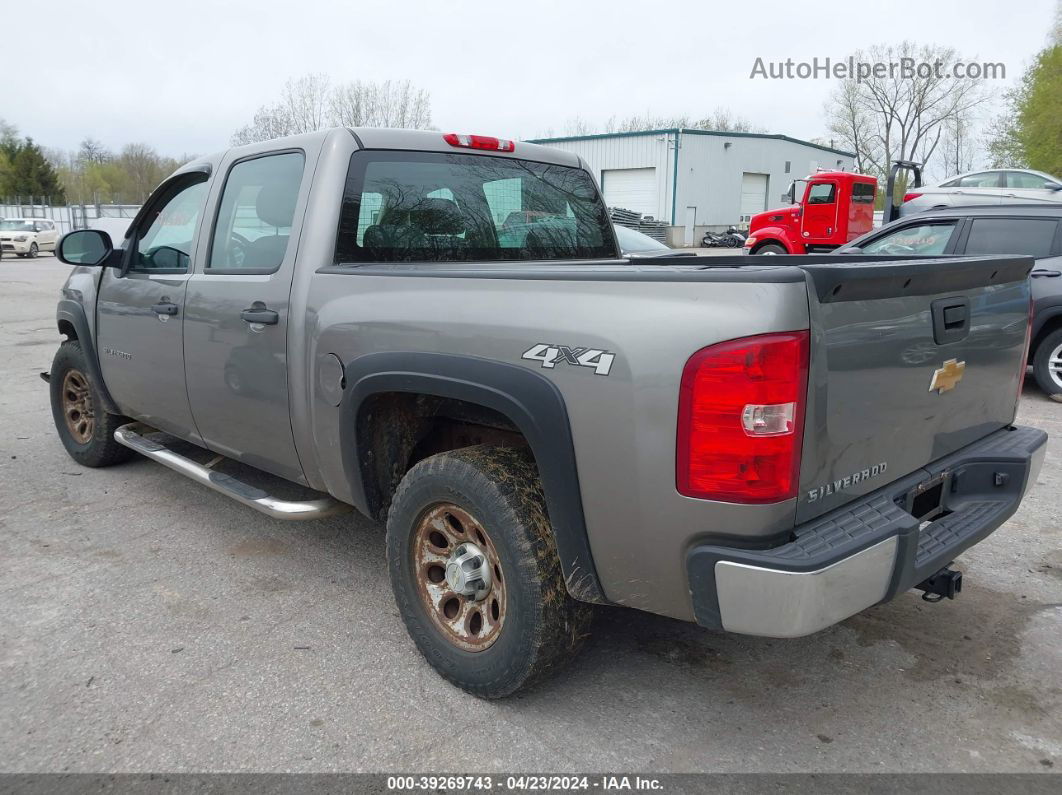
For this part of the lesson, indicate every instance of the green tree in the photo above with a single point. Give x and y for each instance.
(1039, 120)
(31, 176)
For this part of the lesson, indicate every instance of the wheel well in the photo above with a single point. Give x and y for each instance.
(1051, 325)
(402, 428)
(768, 242)
(67, 329)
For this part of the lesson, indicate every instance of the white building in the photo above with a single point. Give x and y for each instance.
(698, 179)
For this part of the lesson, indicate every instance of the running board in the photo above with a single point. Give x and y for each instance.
(134, 434)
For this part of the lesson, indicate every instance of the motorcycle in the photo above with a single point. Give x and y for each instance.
(732, 238)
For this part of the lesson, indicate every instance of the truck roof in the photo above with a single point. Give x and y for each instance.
(410, 140)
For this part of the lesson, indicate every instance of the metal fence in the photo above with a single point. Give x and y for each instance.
(69, 217)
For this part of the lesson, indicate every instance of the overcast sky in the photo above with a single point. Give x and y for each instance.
(182, 75)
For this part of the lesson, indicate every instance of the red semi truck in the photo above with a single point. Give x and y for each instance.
(835, 208)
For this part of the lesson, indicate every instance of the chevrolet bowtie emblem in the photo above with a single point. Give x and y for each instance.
(946, 377)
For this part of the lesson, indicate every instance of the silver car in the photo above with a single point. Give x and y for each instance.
(999, 186)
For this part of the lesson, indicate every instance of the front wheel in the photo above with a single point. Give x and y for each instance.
(770, 249)
(475, 571)
(84, 426)
(1047, 364)
(33, 251)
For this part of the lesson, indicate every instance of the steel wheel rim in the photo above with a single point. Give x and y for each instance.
(1054, 366)
(77, 406)
(465, 622)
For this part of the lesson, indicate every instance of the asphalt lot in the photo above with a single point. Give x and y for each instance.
(148, 624)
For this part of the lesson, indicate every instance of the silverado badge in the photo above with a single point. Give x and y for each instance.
(946, 377)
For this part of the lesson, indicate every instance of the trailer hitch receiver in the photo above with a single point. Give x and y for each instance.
(944, 583)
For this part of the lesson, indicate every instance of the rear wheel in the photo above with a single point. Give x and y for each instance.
(475, 571)
(769, 249)
(1047, 364)
(85, 428)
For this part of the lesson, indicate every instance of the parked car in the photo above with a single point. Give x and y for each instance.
(635, 244)
(27, 237)
(998, 186)
(540, 423)
(1034, 230)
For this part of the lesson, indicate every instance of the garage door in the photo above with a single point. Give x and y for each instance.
(753, 194)
(630, 188)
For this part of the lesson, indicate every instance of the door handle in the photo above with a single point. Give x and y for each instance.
(164, 308)
(1041, 273)
(258, 313)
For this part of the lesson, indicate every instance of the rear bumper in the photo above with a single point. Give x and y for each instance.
(869, 550)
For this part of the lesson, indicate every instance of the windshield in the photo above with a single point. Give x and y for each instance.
(630, 240)
(448, 207)
(16, 226)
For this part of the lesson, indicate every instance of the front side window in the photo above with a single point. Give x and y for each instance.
(443, 207)
(921, 239)
(165, 243)
(257, 208)
(822, 193)
(1029, 236)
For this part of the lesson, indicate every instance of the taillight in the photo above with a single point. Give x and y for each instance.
(910, 196)
(480, 142)
(741, 419)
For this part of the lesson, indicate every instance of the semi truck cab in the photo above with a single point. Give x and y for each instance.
(835, 207)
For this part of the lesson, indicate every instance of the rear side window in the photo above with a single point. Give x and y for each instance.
(448, 207)
(1029, 236)
(863, 192)
(255, 214)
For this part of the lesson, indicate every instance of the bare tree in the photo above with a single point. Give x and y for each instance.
(719, 120)
(388, 104)
(894, 116)
(312, 103)
(958, 146)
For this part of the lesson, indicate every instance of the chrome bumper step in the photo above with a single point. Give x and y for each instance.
(134, 436)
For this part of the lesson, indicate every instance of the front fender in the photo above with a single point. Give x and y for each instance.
(777, 234)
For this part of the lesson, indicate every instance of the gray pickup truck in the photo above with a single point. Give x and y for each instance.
(440, 331)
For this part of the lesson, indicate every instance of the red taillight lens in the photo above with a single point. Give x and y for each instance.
(480, 142)
(909, 196)
(741, 419)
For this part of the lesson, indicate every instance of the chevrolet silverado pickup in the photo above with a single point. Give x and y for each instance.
(440, 332)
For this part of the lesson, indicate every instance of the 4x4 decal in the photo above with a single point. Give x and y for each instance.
(551, 355)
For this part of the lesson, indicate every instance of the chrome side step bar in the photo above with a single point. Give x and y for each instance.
(134, 437)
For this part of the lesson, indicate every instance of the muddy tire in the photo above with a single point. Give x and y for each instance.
(85, 428)
(1047, 364)
(475, 572)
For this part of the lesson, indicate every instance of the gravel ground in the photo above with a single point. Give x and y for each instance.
(148, 624)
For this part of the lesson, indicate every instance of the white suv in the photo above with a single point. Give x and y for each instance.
(28, 236)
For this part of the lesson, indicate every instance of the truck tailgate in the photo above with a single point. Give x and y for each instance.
(910, 361)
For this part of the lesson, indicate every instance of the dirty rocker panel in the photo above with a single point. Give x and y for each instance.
(531, 401)
(867, 551)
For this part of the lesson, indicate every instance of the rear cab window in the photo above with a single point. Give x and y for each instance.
(456, 207)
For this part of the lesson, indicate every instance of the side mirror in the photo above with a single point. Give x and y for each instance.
(85, 247)
(1054, 186)
(854, 250)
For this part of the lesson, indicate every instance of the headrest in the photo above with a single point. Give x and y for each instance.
(437, 217)
(276, 204)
